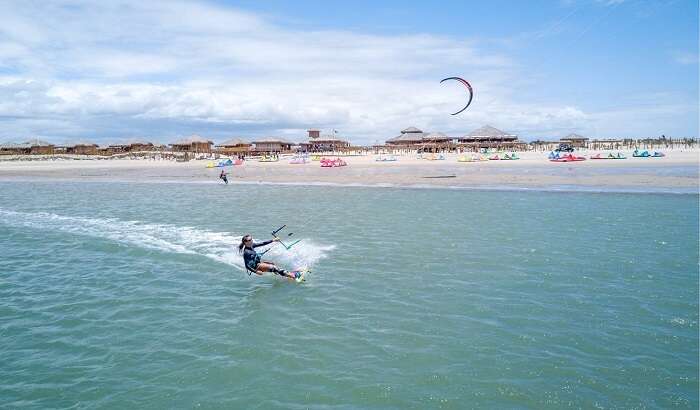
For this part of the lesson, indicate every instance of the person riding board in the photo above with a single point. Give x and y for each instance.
(252, 261)
(223, 177)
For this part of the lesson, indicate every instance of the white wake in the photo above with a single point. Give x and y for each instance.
(219, 246)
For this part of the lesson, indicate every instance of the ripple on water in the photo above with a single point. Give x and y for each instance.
(418, 299)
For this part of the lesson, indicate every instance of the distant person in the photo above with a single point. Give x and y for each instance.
(223, 177)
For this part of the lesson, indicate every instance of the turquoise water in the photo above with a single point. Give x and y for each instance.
(123, 294)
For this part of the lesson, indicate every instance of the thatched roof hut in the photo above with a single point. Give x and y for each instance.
(488, 133)
(408, 136)
(437, 137)
(36, 142)
(193, 143)
(13, 148)
(234, 146)
(272, 144)
(132, 145)
(39, 147)
(574, 137)
(78, 147)
(491, 137)
(234, 142)
(325, 143)
(575, 140)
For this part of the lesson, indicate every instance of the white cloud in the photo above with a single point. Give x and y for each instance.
(162, 69)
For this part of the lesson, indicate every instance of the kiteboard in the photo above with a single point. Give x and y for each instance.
(302, 272)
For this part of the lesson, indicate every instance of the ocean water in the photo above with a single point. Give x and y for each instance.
(118, 295)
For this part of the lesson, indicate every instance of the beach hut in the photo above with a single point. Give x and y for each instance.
(34, 146)
(132, 145)
(436, 141)
(234, 146)
(575, 140)
(193, 143)
(409, 137)
(272, 144)
(39, 147)
(490, 137)
(136, 145)
(107, 150)
(314, 133)
(13, 148)
(321, 143)
(77, 148)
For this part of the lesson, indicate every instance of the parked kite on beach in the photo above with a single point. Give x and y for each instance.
(466, 84)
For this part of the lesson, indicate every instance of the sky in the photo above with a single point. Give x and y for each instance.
(160, 70)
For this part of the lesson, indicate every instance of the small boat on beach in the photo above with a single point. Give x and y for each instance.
(567, 158)
(385, 158)
(645, 154)
(472, 158)
(609, 156)
(299, 159)
(465, 158)
(332, 163)
(269, 158)
(223, 163)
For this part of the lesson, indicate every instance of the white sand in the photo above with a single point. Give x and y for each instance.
(678, 170)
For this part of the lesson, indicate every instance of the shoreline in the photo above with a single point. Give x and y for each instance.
(676, 173)
(654, 190)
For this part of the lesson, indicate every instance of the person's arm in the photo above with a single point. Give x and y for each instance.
(255, 245)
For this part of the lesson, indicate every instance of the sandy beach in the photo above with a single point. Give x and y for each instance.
(677, 171)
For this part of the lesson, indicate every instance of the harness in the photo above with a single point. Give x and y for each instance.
(257, 261)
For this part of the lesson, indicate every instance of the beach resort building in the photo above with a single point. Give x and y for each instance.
(323, 143)
(234, 146)
(77, 148)
(490, 137)
(575, 140)
(134, 145)
(410, 137)
(34, 147)
(272, 145)
(437, 141)
(13, 148)
(413, 138)
(194, 143)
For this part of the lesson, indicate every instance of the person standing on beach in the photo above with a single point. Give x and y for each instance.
(223, 176)
(252, 261)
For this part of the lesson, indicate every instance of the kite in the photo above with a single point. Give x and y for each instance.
(469, 87)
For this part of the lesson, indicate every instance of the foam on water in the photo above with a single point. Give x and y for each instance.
(219, 246)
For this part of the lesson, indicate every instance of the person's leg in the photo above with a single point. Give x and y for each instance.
(262, 268)
(270, 267)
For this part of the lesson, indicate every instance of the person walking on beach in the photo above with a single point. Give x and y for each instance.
(223, 176)
(252, 261)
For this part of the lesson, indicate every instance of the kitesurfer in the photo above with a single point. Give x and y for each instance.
(223, 176)
(252, 261)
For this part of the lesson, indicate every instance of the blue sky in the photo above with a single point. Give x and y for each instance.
(108, 71)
